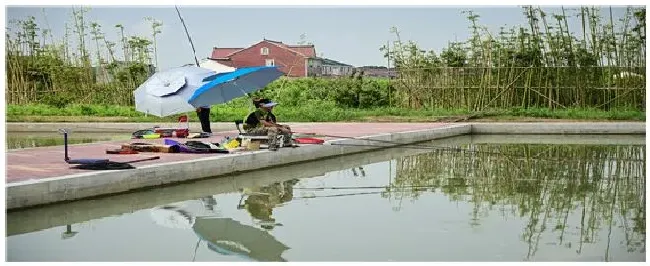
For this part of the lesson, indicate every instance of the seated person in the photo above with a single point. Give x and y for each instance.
(263, 122)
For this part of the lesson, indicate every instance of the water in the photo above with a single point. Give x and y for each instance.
(21, 140)
(507, 201)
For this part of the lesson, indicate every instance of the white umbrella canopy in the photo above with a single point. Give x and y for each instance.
(216, 67)
(172, 217)
(166, 93)
(165, 83)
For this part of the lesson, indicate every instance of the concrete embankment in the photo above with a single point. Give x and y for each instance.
(27, 191)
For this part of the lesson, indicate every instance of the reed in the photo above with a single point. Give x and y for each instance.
(546, 184)
(80, 68)
(541, 64)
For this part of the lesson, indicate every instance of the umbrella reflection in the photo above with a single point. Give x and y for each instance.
(172, 217)
(229, 237)
(208, 202)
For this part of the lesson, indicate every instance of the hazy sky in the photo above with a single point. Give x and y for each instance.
(351, 35)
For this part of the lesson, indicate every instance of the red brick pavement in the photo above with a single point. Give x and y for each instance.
(48, 162)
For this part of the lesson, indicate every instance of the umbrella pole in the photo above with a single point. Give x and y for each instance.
(195, 248)
(240, 200)
(248, 95)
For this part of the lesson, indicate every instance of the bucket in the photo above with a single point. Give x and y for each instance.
(253, 145)
(309, 141)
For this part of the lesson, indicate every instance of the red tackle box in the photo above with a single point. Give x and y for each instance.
(172, 132)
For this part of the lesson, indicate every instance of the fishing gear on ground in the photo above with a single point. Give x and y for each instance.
(98, 164)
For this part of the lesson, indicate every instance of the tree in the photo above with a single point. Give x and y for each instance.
(155, 28)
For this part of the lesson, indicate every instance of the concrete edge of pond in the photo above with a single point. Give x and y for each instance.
(29, 220)
(32, 193)
(573, 128)
(103, 127)
(100, 127)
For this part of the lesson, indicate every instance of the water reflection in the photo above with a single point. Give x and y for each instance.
(68, 232)
(260, 202)
(554, 202)
(22, 140)
(603, 185)
(229, 237)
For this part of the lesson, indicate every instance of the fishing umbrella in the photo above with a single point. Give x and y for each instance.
(216, 67)
(166, 93)
(172, 217)
(230, 237)
(223, 87)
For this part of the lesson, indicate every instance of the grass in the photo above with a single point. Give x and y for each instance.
(313, 112)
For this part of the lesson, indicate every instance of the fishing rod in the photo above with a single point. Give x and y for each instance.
(511, 156)
(188, 34)
(379, 140)
(340, 195)
(420, 147)
(398, 189)
(433, 147)
(359, 187)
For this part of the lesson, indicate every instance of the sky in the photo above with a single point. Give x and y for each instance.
(352, 35)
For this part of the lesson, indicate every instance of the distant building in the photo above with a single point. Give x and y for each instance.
(293, 60)
(377, 71)
(290, 59)
(318, 66)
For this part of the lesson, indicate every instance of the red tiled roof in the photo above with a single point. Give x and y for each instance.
(307, 50)
(223, 52)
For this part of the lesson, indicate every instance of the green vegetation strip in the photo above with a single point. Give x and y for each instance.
(311, 112)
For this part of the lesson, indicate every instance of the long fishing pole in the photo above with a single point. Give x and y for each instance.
(383, 141)
(415, 146)
(515, 156)
(376, 192)
(188, 34)
(476, 180)
(423, 147)
(433, 147)
(340, 195)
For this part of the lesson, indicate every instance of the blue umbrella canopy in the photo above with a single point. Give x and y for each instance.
(165, 93)
(223, 87)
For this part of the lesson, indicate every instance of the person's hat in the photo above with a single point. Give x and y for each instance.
(267, 103)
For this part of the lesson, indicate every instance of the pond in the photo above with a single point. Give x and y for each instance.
(22, 140)
(470, 198)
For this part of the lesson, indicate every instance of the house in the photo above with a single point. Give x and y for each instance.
(318, 66)
(290, 59)
(377, 71)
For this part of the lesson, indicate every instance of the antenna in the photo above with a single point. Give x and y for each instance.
(188, 35)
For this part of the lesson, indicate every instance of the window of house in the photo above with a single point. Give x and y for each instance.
(270, 62)
(264, 51)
